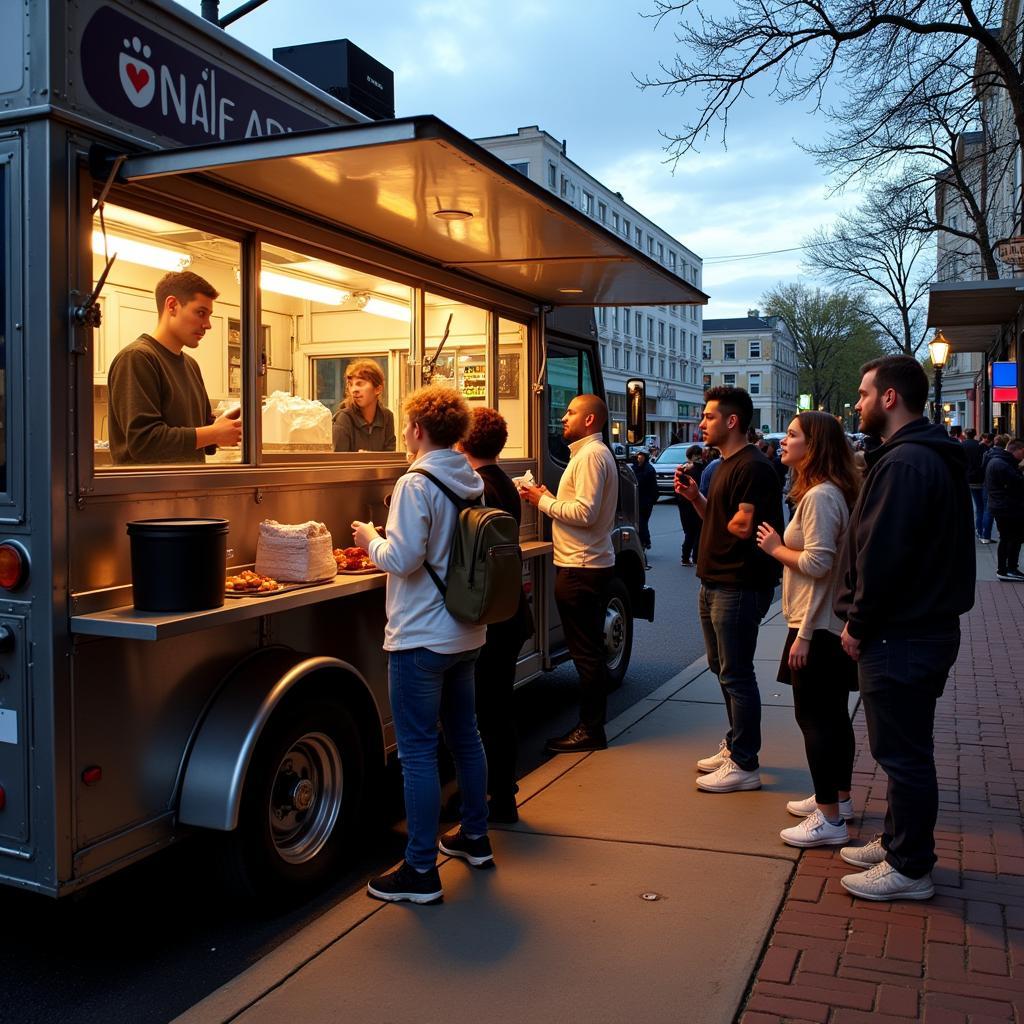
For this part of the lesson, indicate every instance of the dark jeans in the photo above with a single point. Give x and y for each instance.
(821, 700)
(643, 527)
(691, 524)
(729, 618)
(582, 596)
(985, 530)
(982, 528)
(900, 681)
(495, 685)
(1011, 534)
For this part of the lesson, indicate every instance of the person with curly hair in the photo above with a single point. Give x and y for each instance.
(431, 655)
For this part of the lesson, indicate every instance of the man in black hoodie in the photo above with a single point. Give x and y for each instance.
(908, 576)
(1005, 488)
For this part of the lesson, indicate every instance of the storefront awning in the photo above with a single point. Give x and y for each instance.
(408, 183)
(972, 313)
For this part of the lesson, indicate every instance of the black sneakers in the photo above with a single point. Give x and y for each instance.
(406, 883)
(476, 851)
(1010, 575)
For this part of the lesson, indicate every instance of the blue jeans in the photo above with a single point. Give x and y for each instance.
(982, 516)
(426, 686)
(729, 618)
(900, 681)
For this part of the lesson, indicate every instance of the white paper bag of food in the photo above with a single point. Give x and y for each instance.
(288, 419)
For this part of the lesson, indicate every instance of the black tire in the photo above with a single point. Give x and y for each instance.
(618, 632)
(300, 803)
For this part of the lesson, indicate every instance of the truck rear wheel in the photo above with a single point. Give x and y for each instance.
(618, 632)
(300, 800)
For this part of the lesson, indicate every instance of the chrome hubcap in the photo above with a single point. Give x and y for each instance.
(614, 633)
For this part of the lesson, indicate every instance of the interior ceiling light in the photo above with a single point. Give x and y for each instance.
(299, 288)
(127, 249)
(140, 221)
(453, 214)
(571, 291)
(382, 307)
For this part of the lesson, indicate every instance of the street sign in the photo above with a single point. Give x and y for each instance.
(1004, 382)
(1012, 251)
(804, 403)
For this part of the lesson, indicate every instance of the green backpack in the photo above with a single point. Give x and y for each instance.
(485, 568)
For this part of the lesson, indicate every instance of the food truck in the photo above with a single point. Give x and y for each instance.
(135, 139)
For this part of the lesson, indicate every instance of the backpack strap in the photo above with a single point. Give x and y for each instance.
(460, 504)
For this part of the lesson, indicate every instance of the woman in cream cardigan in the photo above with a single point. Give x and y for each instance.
(825, 484)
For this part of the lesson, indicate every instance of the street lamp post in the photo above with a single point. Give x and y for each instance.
(938, 349)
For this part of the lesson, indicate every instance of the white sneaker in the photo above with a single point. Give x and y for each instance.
(714, 762)
(864, 856)
(815, 830)
(728, 778)
(802, 808)
(883, 882)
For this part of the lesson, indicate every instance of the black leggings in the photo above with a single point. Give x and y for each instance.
(821, 694)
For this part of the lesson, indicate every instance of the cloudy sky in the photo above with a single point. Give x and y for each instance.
(488, 67)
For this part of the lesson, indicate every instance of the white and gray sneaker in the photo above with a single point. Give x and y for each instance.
(714, 762)
(864, 856)
(728, 778)
(883, 882)
(802, 808)
(815, 830)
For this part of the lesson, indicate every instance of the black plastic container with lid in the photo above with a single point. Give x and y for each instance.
(178, 565)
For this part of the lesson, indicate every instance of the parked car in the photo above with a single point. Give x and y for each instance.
(665, 466)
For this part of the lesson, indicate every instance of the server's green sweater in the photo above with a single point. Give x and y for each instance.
(157, 400)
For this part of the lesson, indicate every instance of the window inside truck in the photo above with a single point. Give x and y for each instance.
(456, 347)
(167, 367)
(568, 374)
(513, 387)
(337, 356)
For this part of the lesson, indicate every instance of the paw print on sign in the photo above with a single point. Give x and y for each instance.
(138, 79)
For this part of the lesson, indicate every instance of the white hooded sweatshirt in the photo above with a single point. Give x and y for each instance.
(421, 523)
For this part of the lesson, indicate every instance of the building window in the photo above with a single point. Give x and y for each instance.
(650, 245)
(754, 384)
(672, 369)
(650, 329)
(638, 323)
(707, 381)
(729, 350)
(615, 222)
(650, 366)
(602, 212)
(615, 317)
(661, 368)
(755, 348)
(588, 204)
(672, 261)
(602, 315)
(625, 227)
(693, 345)
(552, 177)
(671, 338)
(661, 253)
(615, 358)
(522, 166)
(626, 356)
(707, 349)
(604, 355)
(729, 380)
(639, 239)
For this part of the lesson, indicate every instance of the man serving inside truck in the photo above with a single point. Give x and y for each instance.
(159, 409)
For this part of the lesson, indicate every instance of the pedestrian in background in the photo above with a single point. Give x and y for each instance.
(647, 498)
(430, 654)
(737, 580)
(582, 517)
(905, 586)
(712, 460)
(825, 485)
(998, 443)
(975, 476)
(496, 666)
(1005, 487)
(689, 520)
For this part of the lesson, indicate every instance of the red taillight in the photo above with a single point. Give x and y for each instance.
(92, 775)
(3, 798)
(13, 566)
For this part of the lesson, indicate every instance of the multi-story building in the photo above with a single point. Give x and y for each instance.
(658, 343)
(756, 353)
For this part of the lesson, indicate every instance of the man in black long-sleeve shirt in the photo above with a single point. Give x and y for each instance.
(909, 575)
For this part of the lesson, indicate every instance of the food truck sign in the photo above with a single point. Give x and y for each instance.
(146, 78)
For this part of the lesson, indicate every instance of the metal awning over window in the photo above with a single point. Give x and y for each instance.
(417, 185)
(971, 314)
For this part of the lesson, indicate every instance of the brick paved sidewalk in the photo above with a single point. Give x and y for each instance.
(959, 957)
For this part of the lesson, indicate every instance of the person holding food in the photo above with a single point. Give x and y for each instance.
(362, 423)
(825, 484)
(159, 409)
(737, 580)
(431, 655)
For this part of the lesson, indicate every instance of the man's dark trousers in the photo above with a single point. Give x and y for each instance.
(900, 680)
(729, 617)
(582, 597)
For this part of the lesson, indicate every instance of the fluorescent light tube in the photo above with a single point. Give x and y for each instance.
(381, 307)
(301, 289)
(139, 252)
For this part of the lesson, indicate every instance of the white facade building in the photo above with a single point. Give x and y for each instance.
(756, 353)
(658, 343)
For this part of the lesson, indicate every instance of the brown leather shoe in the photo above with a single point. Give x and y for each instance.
(577, 740)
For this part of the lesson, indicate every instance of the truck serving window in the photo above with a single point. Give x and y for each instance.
(514, 387)
(167, 370)
(337, 352)
(462, 361)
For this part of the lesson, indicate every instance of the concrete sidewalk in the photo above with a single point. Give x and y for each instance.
(625, 893)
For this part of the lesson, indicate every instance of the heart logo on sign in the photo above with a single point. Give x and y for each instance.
(137, 77)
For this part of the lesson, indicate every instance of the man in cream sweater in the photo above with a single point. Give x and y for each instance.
(582, 517)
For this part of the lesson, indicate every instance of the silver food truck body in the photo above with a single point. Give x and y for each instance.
(136, 129)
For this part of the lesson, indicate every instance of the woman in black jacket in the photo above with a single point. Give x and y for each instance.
(1004, 486)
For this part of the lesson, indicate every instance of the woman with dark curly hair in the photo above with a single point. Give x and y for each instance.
(825, 485)
(496, 666)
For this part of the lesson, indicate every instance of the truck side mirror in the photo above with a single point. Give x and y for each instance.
(636, 410)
